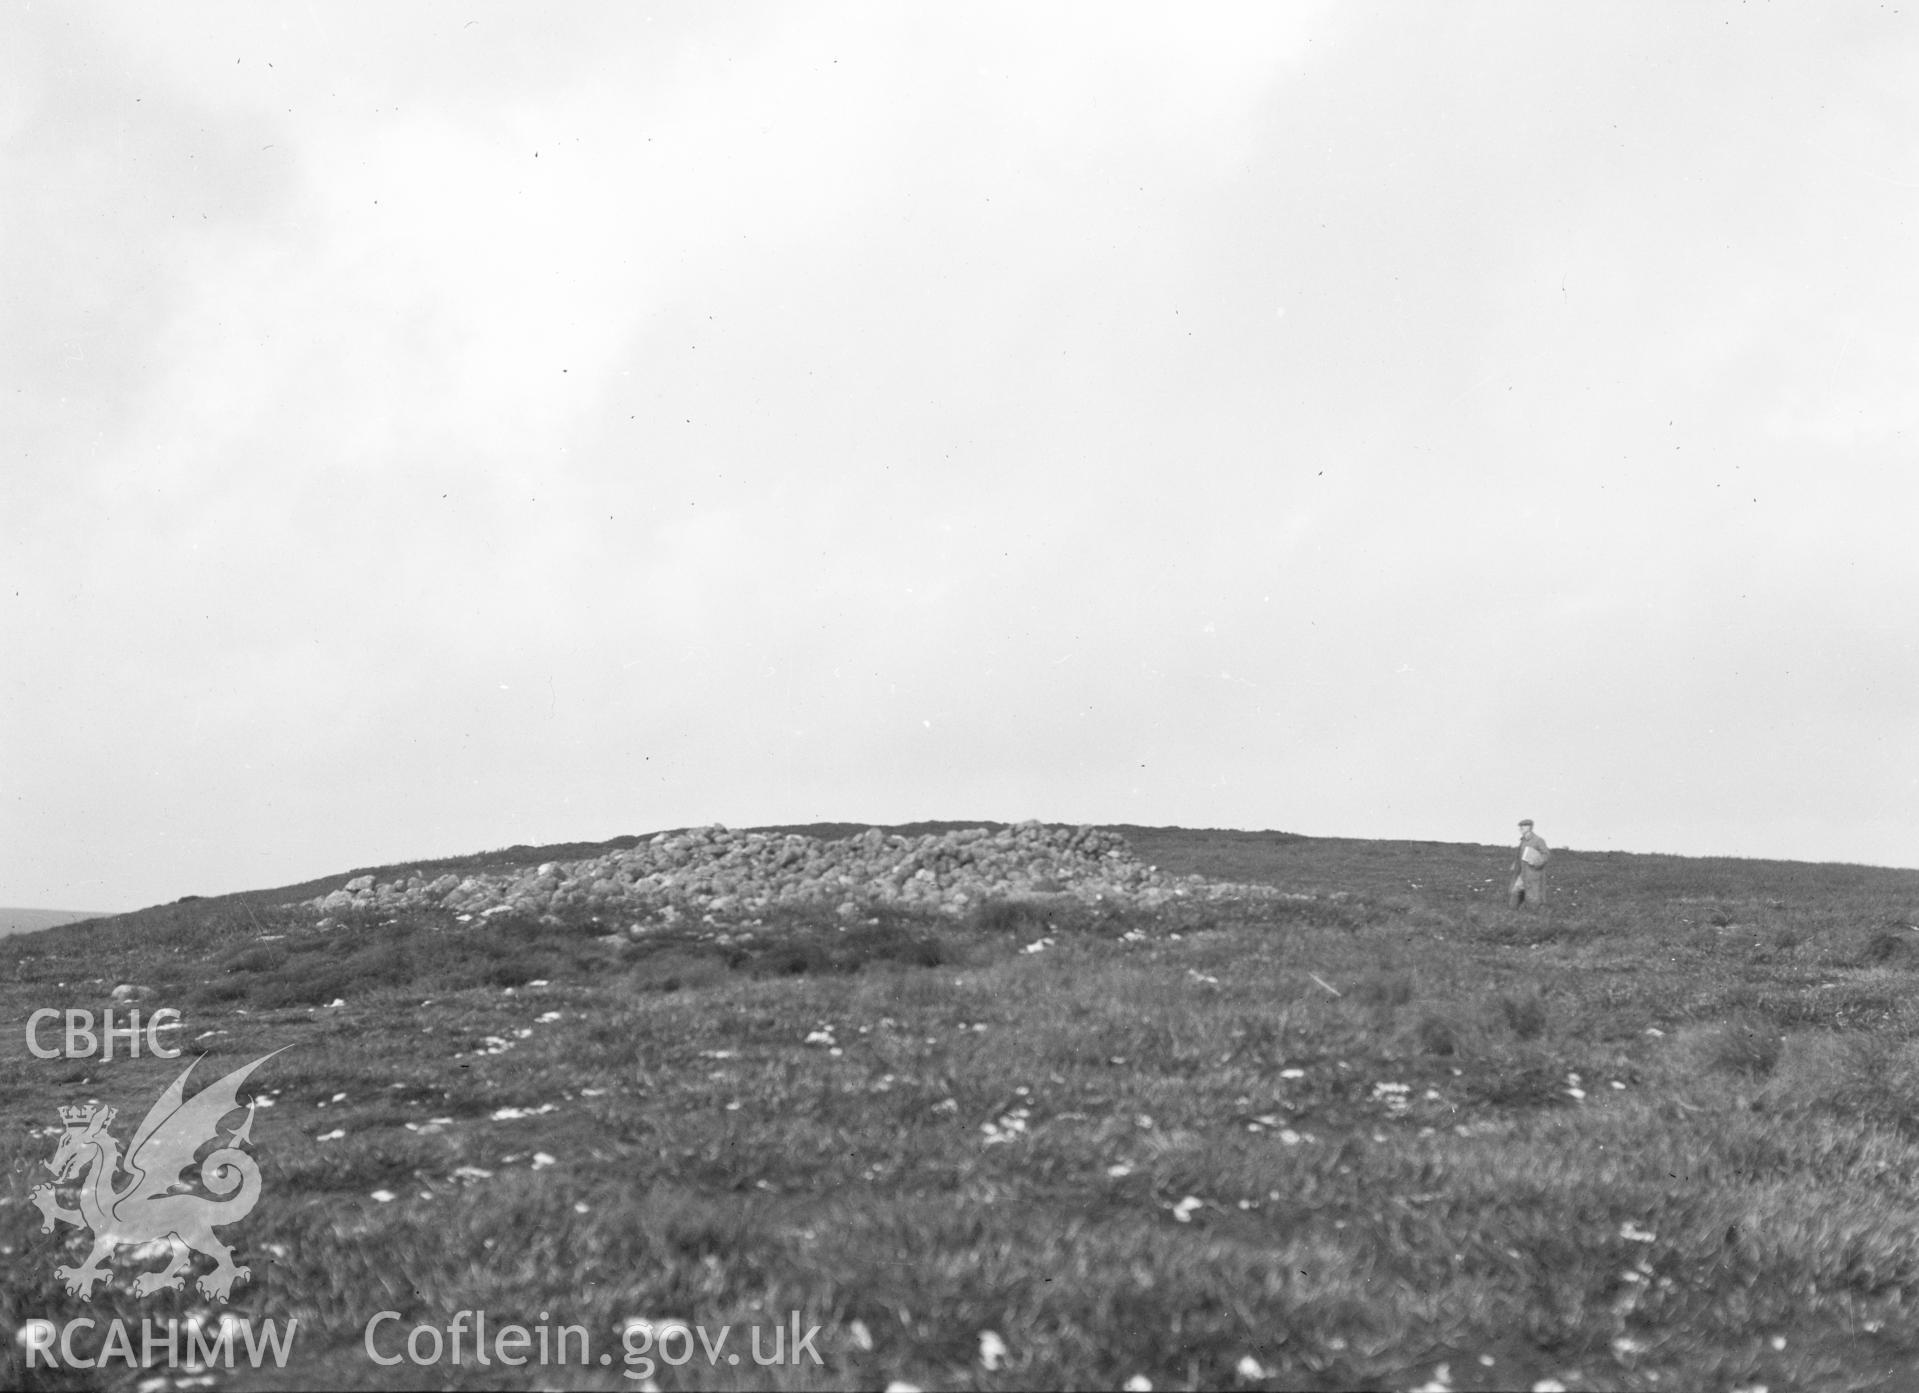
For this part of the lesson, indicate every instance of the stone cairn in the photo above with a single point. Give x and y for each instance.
(713, 871)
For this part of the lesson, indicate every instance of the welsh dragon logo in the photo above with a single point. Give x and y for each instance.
(154, 1205)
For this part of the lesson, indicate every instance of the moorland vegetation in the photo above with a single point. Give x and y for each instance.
(1379, 1132)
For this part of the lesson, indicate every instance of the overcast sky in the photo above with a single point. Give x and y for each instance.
(434, 427)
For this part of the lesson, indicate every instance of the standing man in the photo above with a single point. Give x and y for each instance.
(1531, 860)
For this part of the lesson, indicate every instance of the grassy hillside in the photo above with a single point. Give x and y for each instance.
(1387, 1133)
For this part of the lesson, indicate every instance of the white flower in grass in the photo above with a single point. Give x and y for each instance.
(1138, 1383)
(1392, 1097)
(541, 1160)
(334, 1135)
(1119, 1171)
(548, 1018)
(1632, 1233)
(1250, 1370)
(1440, 1382)
(384, 1196)
(1009, 1128)
(1292, 1073)
(992, 1351)
(859, 1335)
(902, 1386)
(820, 1037)
(1549, 1385)
(1186, 1208)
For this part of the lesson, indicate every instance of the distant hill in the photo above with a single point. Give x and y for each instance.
(16, 921)
(1290, 860)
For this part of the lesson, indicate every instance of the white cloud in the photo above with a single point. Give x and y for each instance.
(481, 426)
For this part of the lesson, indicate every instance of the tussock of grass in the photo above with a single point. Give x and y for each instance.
(1524, 1014)
(1438, 1035)
(1386, 989)
(1025, 919)
(1885, 946)
(1523, 1078)
(1744, 1047)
